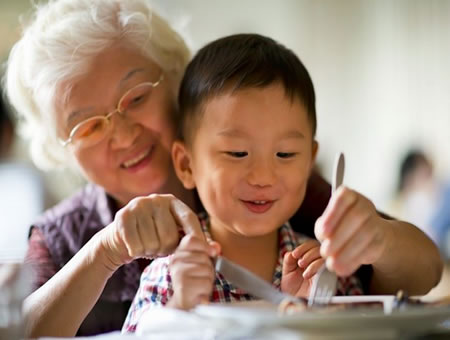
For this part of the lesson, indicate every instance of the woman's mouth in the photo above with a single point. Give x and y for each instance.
(258, 206)
(137, 161)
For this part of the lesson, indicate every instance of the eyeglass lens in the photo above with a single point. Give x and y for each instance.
(93, 130)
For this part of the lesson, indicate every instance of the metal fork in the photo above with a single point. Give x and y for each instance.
(325, 282)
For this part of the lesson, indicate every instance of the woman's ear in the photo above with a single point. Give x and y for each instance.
(182, 161)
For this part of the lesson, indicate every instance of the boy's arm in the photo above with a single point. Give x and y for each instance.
(353, 233)
(410, 261)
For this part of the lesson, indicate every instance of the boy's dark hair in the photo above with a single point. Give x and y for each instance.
(237, 62)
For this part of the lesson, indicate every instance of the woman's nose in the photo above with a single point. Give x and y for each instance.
(124, 131)
(261, 172)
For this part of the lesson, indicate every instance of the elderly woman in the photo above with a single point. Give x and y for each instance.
(96, 83)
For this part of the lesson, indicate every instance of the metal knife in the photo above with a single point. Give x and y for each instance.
(249, 282)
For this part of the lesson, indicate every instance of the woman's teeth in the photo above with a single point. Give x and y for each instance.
(136, 160)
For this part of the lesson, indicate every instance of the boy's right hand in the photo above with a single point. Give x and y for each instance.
(299, 268)
(192, 272)
(147, 226)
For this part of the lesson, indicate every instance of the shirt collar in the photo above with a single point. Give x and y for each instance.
(287, 241)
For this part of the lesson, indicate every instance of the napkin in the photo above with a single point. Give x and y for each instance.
(171, 324)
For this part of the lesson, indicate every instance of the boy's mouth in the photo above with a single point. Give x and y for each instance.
(258, 206)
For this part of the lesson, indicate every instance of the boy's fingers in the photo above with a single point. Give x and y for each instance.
(341, 201)
(353, 221)
(300, 251)
(193, 243)
(186, 218)
(289, 263)
(309, 256)
(193, 270)
(193, 257)
(313, 268)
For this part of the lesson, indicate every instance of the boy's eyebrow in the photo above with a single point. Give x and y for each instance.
(240, 134)
(232, 133)
(294, 134)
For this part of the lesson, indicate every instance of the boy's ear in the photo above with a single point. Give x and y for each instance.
(181, 158)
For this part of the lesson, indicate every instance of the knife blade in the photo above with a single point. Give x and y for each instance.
(249, 282)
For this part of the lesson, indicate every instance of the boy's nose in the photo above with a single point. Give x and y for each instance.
(261, 173)
(124, 131)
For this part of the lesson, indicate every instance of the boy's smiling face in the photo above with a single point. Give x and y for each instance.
(250, 157)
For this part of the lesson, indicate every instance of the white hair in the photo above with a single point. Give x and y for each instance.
(58, 46)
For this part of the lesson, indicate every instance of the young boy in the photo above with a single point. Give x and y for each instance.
(246, 143)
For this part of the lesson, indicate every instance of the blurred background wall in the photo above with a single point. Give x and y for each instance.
(381, 70)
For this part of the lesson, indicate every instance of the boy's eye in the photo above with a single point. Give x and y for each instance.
(286, 154)
(237, 154)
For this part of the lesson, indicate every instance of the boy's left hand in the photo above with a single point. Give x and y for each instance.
(299, 267)
(352, 232)
(192, 272)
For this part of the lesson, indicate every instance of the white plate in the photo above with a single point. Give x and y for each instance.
(361, 320)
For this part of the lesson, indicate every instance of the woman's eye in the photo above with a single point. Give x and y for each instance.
(136, 100)
(237, 154)
(286, 154)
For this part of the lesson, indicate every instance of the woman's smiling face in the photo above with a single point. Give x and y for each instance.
(251, 154)
(134, 158)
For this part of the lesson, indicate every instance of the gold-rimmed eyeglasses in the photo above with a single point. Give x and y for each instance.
(94, 129)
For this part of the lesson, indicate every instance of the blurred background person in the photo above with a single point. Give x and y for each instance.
(423, 198)
(417, 190)
(441, 221)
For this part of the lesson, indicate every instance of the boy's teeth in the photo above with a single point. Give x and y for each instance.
(136, 160)
(260, 202)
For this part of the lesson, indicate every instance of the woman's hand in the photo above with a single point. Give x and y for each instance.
(192, 272)
(352, 232)
(147, 227)
(299, 267)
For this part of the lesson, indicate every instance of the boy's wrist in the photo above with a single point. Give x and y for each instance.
(388, 241)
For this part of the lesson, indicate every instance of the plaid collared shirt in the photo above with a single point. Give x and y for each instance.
(155, 289)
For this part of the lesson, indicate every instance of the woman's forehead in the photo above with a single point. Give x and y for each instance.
(107, 77)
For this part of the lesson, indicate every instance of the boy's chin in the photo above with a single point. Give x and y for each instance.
(255, 231)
